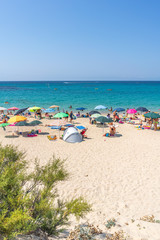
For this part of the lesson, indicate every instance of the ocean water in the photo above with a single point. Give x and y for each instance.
(127, 94)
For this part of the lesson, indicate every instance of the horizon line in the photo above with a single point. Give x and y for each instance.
(115, 80)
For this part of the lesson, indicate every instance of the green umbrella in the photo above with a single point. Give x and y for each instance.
(35, 123)
(103, 119)
(4, 124)
(96, 115)
(21, 124)
(34, 109)
(151, 115)
(61, 115)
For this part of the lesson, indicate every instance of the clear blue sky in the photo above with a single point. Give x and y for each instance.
(79, 39)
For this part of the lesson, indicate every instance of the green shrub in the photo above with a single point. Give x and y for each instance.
(29, 201)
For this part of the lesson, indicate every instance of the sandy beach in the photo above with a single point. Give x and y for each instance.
(119, 175)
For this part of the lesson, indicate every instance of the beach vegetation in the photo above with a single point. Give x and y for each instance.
(84, 232)
(111, 223)
(29, 200)
(150, 218)
(120, 235)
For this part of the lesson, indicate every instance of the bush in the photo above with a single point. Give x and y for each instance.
(29, 201)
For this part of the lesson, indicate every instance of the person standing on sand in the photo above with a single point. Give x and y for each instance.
(67, 117)
(114, 115)
(155, 122)
(127, 112)
(71, 116)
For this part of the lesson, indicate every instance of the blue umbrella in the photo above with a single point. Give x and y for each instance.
(49, 110)
(81, 108)
(119, 109)
(55, 127)
(20, 111)
(142, 109)
(100, 107)
(69, 125)
(80, 127)
(93, 112)
(152, 115)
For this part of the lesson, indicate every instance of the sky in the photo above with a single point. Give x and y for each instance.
(79, 40)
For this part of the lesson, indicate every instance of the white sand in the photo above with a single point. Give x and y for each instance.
(119, 176)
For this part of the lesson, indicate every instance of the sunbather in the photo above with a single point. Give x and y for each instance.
(83, 133)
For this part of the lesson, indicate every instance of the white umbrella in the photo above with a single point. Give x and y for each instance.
(100, 107)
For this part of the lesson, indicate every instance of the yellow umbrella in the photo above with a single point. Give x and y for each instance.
(54, 106)
(16, 119)
(34, 109)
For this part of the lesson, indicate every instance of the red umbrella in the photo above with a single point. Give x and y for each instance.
(13, 108)
(132, 111)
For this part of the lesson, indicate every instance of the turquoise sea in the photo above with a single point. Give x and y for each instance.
(127, 94)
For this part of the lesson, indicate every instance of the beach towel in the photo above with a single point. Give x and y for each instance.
(32, 135)
(52, 137)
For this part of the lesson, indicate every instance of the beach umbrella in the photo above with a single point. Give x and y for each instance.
(12, 125)
(35, 123)
(142, 109)
(4, 124)
(21, 124)
(20, 111)
(100, 107)
(54, 106)
(132, 111)
(17, 119)
(81, 108)
(55, 127)
(152, 115)
(34, 109)
(96, 115)
(119, 109)
(103, 119)
(13, 108)
(48, 110)
(60, 115)
(69, 125)
(3, 109)
(93, 112)
(80, 127)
